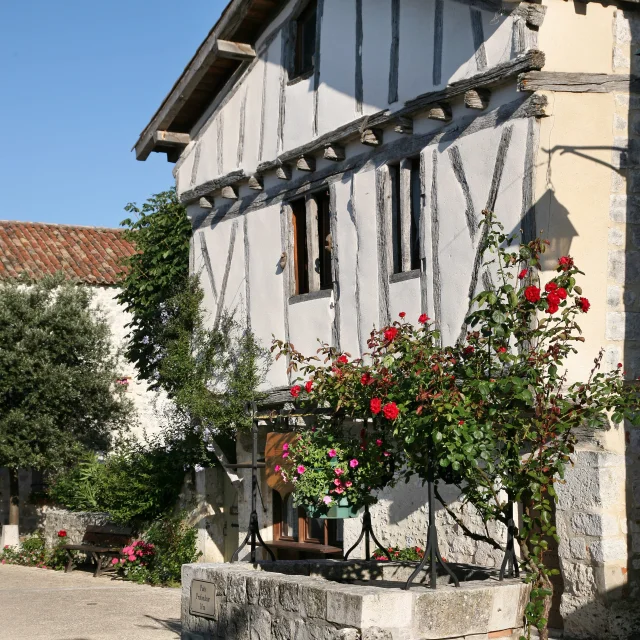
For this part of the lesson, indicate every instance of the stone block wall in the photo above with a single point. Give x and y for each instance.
(75, 524)
(299, 603)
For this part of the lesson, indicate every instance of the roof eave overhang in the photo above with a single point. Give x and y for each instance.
(218, 48)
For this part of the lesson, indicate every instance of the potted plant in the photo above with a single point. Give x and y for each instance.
(334, 474)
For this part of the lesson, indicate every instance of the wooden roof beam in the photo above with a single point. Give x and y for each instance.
(234, 50)
(171, 139)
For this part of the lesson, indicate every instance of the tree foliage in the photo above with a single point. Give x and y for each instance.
(58, 372)
(209, 369)
(158, 272)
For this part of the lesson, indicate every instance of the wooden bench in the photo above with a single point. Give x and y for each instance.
(99, 543)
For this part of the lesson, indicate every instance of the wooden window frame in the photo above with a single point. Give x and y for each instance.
(404, 204)
(298, 69)
(303, 526)
(310, 219)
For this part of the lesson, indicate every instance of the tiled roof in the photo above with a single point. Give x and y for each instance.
(87, 254)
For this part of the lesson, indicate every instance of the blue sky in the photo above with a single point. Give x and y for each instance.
(79, 81)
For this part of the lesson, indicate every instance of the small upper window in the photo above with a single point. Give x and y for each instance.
(312, 244)
(305, 40)
(405, 214)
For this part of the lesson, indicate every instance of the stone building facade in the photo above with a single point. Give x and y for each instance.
(431, 109)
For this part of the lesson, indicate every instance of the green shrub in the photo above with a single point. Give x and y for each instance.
(166, 546)
(32, 553)
(410, 554)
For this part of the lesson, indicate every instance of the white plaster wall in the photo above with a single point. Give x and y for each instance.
(310, 324)
(336, 102)
(147, 403)
(405, 296)
(265, 277)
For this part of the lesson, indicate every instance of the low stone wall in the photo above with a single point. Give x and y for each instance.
(74, 523)
(330, 600)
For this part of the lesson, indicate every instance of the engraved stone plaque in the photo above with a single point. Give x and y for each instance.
(203, 599)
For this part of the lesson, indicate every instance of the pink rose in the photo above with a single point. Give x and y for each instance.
(132, 558)
(285, 454)
(339, 490)
(353, 463)
(332, 453)
(379, 442)
(301, 469)
(337, 482)
(339, 471)
(348, 483)
(326, 499)
(277, 468)
(285, 446)
(386, 454)
(114, 561)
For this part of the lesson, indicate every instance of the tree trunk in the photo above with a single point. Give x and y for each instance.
(14, 497)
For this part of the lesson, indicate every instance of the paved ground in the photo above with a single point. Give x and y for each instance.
(37, 604)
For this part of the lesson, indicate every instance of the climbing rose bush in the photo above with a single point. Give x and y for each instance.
(494, 413)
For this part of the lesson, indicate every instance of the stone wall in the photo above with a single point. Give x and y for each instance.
(75, 524)
(303, 601)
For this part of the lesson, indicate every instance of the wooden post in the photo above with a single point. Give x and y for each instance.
(313, 244)
(14, 497)
(405, 214)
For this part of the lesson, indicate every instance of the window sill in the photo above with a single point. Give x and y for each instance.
(313, 295)
(303, 76)
(311, 547)
(405, 275)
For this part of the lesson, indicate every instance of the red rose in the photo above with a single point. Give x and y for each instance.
(375, 405)
(62, 533)
(295, 391)
(402, 314)
(565, 263)
(343, 359)
(584, 304)
(553, 299)
(523, 274)
(619, 365)
(502, 350)
(532, 294)
(423, 319)
(552, 308)
(550, 286)
(390, 334)
(468, 350)
(562, 293)
(390, 411)
(308, 385)
(365, 379)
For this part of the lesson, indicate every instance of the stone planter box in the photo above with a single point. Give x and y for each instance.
(327, 600)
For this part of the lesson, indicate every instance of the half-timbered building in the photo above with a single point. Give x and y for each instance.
(335, 157)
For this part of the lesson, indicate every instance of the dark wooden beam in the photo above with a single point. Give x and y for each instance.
(211, 186)
(578, 82)
(171, 139)
(441, 111)
(306, 163)
(477, 98)
(333, 152)
(234, 50)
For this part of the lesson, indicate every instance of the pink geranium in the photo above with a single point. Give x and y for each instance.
(332, 453)
(300, 469)
(353, 463)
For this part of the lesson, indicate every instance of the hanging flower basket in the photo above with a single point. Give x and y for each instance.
(339, 511)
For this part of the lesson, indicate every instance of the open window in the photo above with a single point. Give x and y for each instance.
(405, 214)
(305, 40)
(295, 533)
(312, 244)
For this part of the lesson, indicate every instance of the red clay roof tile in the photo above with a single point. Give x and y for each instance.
(89, 254)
